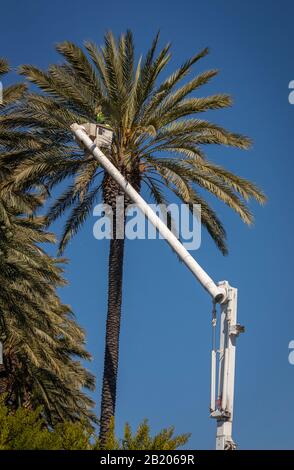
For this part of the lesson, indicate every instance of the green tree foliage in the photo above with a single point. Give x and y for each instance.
(43, 344)
(39, 333)
(156, 130)
(24, 429)
(142, 439)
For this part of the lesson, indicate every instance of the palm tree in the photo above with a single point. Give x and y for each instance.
(158, 141)
(40, 336)
(41, 339)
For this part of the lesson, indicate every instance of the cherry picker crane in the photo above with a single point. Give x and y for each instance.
(93, 137)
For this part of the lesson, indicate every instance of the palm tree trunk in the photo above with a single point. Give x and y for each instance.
(115, 277)
(111, 191)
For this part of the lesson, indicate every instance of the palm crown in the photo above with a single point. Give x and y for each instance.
(157, 138)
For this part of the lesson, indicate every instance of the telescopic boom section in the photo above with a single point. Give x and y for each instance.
(217, 293)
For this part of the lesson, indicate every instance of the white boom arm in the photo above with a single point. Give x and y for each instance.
(223, 293)
(216, 292)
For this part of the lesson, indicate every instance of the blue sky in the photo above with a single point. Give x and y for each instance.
(165, 338)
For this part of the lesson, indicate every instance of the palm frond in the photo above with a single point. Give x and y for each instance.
(150, 118)
(78, 217)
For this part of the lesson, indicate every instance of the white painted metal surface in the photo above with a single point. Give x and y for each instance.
(222, 408)
(101, 135)
(213, 360)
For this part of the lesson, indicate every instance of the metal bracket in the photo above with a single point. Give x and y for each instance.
(236, 330)
(220, 414)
